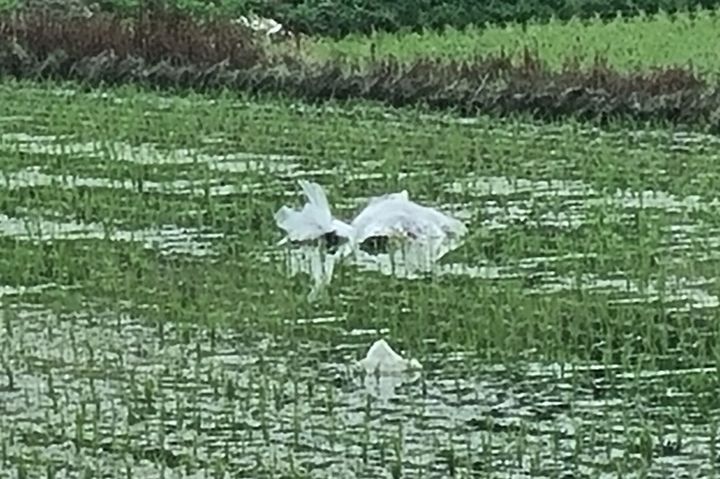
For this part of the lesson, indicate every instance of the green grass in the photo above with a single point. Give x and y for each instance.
(337, 18)
(187, 352)
(684, 40)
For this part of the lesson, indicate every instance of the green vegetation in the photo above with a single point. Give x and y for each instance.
(168, 50)
(338, 18)
(637, 43)
(160, 332)
(151, 326)
(642, 41)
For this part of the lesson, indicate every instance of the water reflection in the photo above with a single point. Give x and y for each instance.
(410, 259)
(315, 261)
(676, 294)
(33, 177)
(167, 239)
(145, 153)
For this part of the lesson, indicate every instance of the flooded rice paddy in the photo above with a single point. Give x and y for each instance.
(151, 325)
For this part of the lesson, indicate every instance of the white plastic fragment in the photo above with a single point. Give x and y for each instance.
(382, 359)
(268, 26)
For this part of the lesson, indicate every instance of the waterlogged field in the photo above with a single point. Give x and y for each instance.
(152, 327)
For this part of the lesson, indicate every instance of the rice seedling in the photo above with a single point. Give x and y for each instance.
(628, 43)
(151, 325)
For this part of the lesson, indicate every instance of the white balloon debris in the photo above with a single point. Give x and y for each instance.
(385, 370)
(382, 359)
(420, 235)
(314, 220)
(267, 26)
(388, 216)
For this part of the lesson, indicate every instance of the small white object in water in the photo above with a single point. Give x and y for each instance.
(382, 359)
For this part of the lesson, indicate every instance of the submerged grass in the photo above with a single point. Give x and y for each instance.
(152, 327)
(242, 205)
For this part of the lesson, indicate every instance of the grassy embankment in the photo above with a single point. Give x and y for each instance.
(591, 83)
